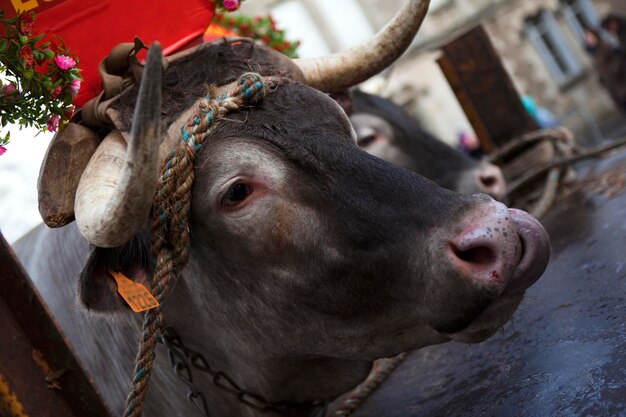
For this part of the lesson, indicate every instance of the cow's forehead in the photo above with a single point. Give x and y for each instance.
(308, 97)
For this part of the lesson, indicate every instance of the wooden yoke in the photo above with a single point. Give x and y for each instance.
(63, 165)
(39, 374)
(484, 89)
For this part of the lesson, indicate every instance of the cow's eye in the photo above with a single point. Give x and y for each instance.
(236, 194)
(366, 140)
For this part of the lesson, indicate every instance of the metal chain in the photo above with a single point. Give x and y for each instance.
(181, 357)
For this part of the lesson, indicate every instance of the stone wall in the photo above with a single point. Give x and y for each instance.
(579, 103)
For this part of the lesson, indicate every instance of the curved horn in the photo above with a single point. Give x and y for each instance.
(342, 70)
(117, 188)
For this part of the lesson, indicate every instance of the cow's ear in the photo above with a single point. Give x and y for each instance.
(97, 289)
(344, 99)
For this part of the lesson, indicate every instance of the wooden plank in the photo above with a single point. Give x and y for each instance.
(37, 366)
(484, 89)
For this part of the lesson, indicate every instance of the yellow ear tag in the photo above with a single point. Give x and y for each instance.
(136, 295)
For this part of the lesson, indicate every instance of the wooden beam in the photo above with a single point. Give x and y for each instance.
(39, 374)
(484, 89)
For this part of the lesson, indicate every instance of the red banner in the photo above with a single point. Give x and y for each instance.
(91, 28)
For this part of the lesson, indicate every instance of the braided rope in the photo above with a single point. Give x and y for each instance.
(380, 372)
(170, 218)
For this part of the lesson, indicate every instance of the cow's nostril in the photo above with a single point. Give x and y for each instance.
(488, 180)
(487, 251)
(481, 255)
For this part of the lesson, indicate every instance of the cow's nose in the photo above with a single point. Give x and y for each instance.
(487, 251)
(491, 181)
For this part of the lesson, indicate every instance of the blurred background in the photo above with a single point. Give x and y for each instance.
(540, 43)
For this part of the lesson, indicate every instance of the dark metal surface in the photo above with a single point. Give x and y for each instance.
(484, 89)
(564, 353)
(35, 360)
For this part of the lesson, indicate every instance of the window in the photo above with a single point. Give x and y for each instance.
(544, 34)
(579, 14)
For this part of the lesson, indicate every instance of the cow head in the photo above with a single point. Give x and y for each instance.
(303, 245)
(385, 130)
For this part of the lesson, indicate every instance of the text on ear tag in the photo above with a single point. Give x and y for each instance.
(136, 295)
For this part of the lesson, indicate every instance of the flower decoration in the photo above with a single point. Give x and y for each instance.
(228, 5)
(75, 87)
(64, 62)
(25, 54)
(260, 27)
(25, 24)
(38, 80)
(53, 123)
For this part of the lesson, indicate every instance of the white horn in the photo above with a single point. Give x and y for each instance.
(336, 72)
(117, 188)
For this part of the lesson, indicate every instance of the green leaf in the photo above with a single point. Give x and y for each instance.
(23, 39)
(4, 140)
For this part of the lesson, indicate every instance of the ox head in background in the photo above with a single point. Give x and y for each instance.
(309, 257)
(387, 131)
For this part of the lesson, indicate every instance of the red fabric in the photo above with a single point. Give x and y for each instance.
(91, 28)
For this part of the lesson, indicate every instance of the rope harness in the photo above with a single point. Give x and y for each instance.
(170, 217)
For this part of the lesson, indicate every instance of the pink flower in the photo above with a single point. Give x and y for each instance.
(8, 89)
(53, 123)
(64, 62)
(75, 87)
(2, 150)
(231, 5)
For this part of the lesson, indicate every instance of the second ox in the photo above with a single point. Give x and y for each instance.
(384, 129)
(308, 258)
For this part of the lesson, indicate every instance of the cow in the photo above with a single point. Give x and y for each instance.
(384, 129)
(308, 257)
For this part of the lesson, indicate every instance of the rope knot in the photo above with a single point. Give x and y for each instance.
(253, 88)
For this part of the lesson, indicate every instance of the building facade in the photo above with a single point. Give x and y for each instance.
(539, 41)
